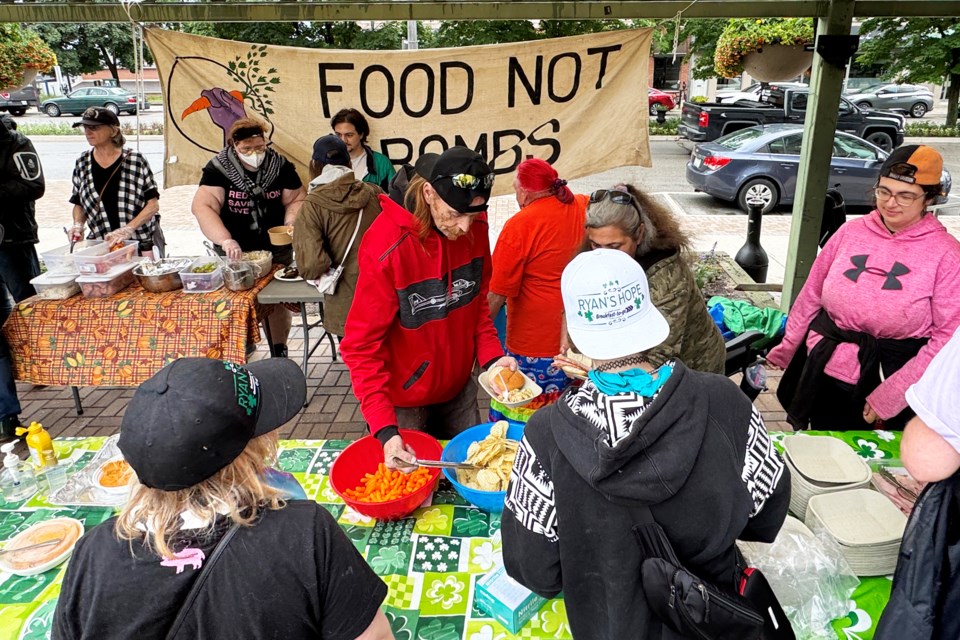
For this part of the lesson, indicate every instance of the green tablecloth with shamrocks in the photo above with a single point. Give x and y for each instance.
(430, 561)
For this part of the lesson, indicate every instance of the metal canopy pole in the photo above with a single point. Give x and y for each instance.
(154, 11)
(815, 152)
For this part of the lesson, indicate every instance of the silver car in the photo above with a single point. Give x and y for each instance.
(912, 99)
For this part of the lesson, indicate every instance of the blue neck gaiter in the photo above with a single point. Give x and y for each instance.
(634, 380)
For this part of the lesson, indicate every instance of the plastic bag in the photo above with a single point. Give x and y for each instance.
(810, 576)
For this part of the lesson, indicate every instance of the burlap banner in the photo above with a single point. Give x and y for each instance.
(579, 102)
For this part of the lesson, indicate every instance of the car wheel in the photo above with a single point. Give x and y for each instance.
(758, 189)
(112, 108)
(52, 110)
(18, 112)
(881, 139)
(653, 109)
(864, 105)
(918, 110)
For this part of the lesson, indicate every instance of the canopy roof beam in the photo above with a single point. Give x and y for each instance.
(151, 11)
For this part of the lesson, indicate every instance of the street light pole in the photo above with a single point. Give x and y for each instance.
(411, 41)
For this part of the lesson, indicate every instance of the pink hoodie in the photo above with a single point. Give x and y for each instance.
(900, 285)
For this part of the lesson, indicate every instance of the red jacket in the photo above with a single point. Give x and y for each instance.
(420, 317)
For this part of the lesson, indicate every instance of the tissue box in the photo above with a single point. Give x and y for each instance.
(506, 600)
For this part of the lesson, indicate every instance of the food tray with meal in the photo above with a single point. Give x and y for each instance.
(160, 276)
(107, 284)
(520, 389)
(60, 260)
(40, 547)
(202, 276)
(103, 482)
(54, 286)
(102, 257)
(491, 448)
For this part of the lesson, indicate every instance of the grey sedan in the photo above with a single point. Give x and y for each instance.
(908, 98)
(762, 163)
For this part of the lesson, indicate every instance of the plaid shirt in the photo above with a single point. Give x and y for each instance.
(136, 179)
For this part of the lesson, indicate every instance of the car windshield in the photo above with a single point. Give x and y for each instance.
(737, 139)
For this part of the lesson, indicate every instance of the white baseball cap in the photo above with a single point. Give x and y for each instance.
(607, 304)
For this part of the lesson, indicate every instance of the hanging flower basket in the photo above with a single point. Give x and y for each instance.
(774, 48)
(22, 55)
(777, 62)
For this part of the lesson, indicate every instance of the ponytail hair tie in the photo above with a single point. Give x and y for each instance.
(557, 185)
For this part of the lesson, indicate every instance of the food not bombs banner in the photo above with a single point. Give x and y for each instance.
(579, 103)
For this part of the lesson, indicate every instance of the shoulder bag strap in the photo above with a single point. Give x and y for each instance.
(651, 536)
(123, 156)
(199, 582)
(356, 230)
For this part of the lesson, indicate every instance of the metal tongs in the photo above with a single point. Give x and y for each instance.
(892, 479)
(48, 543)
(70, 238)
(439, 464)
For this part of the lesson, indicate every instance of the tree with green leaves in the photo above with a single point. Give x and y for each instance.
(703, 35)
(915, 50)
(332, 35)
(89, 47)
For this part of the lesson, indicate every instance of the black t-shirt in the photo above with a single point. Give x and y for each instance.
(294, 574)
(110, 196)
(238, 207)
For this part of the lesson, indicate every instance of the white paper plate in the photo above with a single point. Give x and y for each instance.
(826, 459)
(22, 538)
(484, 380)
(858, 517)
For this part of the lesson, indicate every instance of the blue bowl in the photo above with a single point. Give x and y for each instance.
(456, 451)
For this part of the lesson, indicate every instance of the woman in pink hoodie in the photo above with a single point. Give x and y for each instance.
(879, 303)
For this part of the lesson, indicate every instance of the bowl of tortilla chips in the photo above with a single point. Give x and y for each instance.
(492, 447)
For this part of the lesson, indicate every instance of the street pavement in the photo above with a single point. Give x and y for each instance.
(333, 411)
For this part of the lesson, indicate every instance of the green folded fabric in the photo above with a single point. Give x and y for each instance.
(740, 316)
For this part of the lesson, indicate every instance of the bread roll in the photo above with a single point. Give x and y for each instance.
(504, 376)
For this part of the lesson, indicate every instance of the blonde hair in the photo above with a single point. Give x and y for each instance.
(117, 138)
(416, 203)
(238, 491)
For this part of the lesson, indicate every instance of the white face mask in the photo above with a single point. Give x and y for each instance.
(252, 159)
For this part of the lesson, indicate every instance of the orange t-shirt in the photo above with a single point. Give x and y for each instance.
(532, 251)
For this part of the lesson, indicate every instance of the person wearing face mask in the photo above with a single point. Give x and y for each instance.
(245, 190)
(532, 250)
(423, 323)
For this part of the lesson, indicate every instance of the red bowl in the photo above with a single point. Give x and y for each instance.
(363, 457)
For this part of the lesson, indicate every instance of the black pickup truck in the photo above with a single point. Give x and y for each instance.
(707, 122)
(17, 102)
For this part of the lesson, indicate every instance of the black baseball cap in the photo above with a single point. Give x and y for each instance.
(914, 164)
(98, 115)
(196, 415)
(459, 175)
(330, 149)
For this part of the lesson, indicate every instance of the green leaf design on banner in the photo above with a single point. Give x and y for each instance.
(437, 629)
(389, 560)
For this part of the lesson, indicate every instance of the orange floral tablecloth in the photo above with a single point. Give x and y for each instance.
(126, 338)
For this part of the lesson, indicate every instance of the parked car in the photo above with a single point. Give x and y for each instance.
(912, 99)
(17, 102)
(76, 102)
(763, 162)
(656, 97)
(729, 96)
(709, 121)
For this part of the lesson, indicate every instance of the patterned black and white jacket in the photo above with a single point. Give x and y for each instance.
(136, 181)
(697, 454)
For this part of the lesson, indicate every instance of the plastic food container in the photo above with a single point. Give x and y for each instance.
(99, 258)
(202, 282)
(160, 276)
(262, 259)
(60, 260)
(53, 286)
(102, 286)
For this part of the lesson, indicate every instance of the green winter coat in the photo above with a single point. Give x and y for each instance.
(694, 336)
(322, 232)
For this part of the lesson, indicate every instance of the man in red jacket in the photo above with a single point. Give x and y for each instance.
(420, 319)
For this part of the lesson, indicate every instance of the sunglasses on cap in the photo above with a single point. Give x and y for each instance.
(93, 112)
(470, 182)
(616, 196)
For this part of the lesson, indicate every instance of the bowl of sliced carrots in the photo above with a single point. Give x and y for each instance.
(361, 478)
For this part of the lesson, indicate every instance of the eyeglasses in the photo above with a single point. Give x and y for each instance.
(467, 181)
(258, 149)
(616, 196)
(904, 198)
(91, 127)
